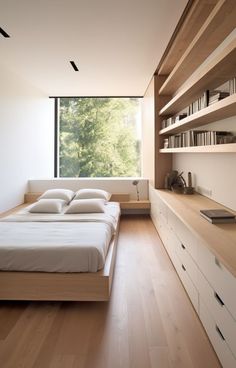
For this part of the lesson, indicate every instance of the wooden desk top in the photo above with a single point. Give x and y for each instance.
(219, 238)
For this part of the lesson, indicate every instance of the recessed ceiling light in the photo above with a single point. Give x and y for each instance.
(4, 33)
(74, 66)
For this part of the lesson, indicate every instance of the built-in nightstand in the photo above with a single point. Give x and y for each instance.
(135, 207)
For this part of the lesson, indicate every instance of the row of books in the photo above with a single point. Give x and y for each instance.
(208, 98)
(172, 120)
(193, 138)
(199, 104)
(216, 96)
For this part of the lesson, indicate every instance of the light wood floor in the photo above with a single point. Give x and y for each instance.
(148, 323)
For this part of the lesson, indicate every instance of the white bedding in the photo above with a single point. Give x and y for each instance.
(57, 242)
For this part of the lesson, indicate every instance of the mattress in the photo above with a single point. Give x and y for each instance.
(57, 242)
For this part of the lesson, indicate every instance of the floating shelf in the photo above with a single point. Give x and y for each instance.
(143, 204)
(196, 16)
(215, 29)
(219, 70)
(219, 148)
(220, 110)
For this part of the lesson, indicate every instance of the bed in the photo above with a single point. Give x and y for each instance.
(58, 256)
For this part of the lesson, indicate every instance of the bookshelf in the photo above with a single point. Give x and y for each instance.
(220, 110)
(215, 73)
(183, 91)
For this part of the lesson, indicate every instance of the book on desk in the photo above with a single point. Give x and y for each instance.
(218, 216)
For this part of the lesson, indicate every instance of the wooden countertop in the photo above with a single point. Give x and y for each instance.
(219, 238)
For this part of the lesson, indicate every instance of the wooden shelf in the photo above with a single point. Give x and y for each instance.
(143, 204)
(215, 73)
(220, 110)
(186, 30)
(215, 29)
(219, 148)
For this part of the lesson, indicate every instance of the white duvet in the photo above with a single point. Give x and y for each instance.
(57, 243)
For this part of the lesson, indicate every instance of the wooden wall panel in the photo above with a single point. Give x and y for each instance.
(148, 133)
(163, 162)
(155, 165)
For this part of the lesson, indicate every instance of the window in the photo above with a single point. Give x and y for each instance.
(99, 137)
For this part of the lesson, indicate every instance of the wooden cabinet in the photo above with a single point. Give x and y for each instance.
(225, 355)
(223, 282)
(218, 309)
(186, 79)
(204, 256)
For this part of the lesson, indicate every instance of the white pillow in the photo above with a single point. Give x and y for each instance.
(95, 205)
(48, 206)
(65, 194)
(92, 193)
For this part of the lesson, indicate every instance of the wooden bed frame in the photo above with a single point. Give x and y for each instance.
(86, 286)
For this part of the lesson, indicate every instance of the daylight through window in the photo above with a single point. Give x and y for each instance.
(99, 137)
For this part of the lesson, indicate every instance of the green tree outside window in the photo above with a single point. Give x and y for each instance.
(98, 137)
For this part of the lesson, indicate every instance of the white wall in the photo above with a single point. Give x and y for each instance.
(26, 137)
(214, 174)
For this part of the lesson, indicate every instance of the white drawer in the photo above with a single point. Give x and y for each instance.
(223, 318)
(162, 228)
(155, 220)
(161, 206)
(222, 281)
(188, 262)
(154, 213)
(167, 237)
(183, 233)
(173, 243)
(163, 209)
(222, 350)
(187, 282)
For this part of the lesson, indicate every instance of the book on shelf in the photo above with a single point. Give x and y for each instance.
(199, 104)
(193, 138)
(172, 120)
(218, 216)
(166, 143)
(180, 117)
(210, 97)
(216, 96)
(232, 86)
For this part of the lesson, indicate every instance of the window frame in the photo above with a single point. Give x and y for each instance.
(57, 124)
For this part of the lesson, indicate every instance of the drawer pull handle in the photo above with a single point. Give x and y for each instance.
(183, 246)
(217, 262)
(183, 267)
(219, 300)
(220, 333)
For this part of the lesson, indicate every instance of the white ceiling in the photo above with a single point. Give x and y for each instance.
(116, 44)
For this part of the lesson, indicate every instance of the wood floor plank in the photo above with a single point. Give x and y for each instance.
(47, 350)
(9, 314)
(159, 357)
(149, 321)
(23, 343)
(63, 361)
